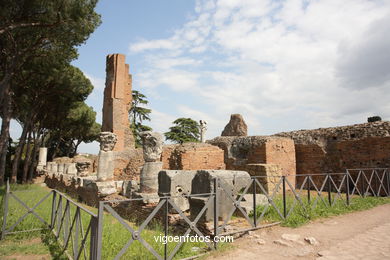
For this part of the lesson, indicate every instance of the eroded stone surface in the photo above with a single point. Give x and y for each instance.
(106, 166)
(152, 143)
(177, 184)
(149, 177)
(203, 182)
(236, 126)
(107, 141)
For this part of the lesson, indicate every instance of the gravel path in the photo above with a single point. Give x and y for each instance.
(359, 235)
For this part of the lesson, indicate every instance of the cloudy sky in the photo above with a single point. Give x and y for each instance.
(283, 65)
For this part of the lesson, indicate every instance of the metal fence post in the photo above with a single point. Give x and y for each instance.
(53, 209)
(373, 176)
(6, 198)
(284, 197)
(363, 188)
(347, 188)
(329, 190)
(388, 182)
(215, 210)
(308, 189)
(93, 238)
(254, 202)
(166, 228)
(99, 241)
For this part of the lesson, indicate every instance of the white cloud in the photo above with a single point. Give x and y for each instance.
(156, 44)
(282, 64)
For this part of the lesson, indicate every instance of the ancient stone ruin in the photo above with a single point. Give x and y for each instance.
(106, 156)
(186, 169)
(117, 101)
(152, 144)
(116, 105)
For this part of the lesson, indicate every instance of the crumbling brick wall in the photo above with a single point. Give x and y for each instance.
(339, 148)
(241, 151)
(192, 156)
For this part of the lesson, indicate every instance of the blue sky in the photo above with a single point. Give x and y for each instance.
(283, 65)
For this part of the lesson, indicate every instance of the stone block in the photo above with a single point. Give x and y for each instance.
(105, 188)
(177, 184)
(247, 202)
(60, 169)
(71, 169)
(268, 175)
(129, 187)
(203, 182)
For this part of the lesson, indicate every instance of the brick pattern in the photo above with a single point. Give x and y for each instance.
(117, 101)
(241, 151)
(193, 156)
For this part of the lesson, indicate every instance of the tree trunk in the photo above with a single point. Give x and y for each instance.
(57, 145)
(33, 160)
(3, 160)
(6, 119)
(27, 159)
(19, 149)
(76, 147)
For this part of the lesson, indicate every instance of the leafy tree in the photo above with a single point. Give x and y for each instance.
(31, 29)
(49, 99)
(137, 114)
(185, 130)
(78, 126)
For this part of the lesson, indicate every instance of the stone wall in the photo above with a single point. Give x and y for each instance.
(193, 156)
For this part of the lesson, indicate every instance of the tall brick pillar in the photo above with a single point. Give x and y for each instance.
(117, 101)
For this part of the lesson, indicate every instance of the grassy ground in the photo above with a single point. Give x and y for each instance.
(43, 243)
(115, 235)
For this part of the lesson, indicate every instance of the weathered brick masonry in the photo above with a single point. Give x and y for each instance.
(339, 148)
(193, 156)
(250, 153)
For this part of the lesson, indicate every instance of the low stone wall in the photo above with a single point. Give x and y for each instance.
(86, 189)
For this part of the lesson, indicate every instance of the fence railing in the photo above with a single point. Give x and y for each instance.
(80, 231)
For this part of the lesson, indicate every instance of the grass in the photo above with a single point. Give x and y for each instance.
(115, 235)
(302, 214)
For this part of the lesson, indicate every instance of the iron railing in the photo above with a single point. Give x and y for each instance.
(280, 194)
(65, 222)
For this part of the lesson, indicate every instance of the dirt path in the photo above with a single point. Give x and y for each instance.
(359, 235)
